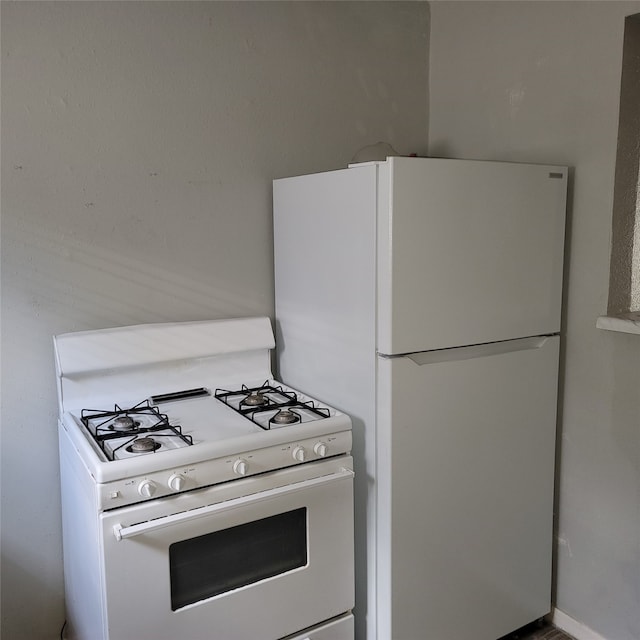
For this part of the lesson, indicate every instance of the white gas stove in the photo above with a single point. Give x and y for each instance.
(180, 451)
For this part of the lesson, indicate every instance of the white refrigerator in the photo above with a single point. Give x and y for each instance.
(422, 296)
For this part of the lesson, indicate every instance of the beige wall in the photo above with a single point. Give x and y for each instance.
(139, 141)
(539, 82)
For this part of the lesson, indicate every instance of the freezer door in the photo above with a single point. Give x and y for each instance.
(468, 252)
(466, 442)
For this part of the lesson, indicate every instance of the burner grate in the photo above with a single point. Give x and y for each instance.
(135, 423)
(255, 402)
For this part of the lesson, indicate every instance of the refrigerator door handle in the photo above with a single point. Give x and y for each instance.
(477, 351)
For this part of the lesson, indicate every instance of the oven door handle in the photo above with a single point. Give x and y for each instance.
(122, 533)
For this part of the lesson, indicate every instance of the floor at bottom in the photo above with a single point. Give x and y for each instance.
(538, 631)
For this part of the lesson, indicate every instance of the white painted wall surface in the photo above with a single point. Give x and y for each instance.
(139, 141)
(539, 82)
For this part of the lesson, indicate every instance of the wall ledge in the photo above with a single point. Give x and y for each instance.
(571, 626)
(624, 323)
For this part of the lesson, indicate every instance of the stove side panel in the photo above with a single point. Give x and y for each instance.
(83, 567)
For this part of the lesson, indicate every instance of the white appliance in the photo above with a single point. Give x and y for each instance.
(433, 287)
(201, 498)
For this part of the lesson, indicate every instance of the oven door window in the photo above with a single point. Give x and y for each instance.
(221, 561)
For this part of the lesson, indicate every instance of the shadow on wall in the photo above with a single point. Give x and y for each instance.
(92, 282)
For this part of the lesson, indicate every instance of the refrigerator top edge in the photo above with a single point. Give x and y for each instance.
(452, 161)
(391, 160)
(319, 174)
(460, 161)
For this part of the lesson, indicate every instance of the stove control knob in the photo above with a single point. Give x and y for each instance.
(320, 449)
(299, 454)
(147, 488)
(176, 482)
(240, 467)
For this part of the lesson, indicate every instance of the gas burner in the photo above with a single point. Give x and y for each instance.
(124, 423)
(143, 445)
(285, 416)
(112, 430)
(271, 405)
(255, 399)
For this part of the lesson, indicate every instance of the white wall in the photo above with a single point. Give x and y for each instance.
(139, 141)
(539, 82)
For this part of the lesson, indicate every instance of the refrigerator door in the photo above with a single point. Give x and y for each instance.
(468, 252)
(465, 490)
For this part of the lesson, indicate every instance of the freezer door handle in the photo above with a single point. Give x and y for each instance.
(477, 351)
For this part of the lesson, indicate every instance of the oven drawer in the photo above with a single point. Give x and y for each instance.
(338, 629)
(256, 558)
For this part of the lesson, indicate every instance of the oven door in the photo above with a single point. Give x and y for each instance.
(260, 557)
